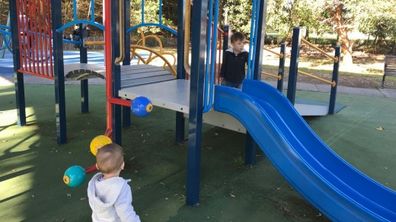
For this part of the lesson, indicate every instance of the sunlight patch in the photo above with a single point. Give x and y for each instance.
(9, 117)
(5, 82)
(7, 93)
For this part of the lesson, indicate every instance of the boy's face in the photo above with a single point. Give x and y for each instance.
(237, 45)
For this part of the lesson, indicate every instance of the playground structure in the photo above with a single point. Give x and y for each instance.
(38, 51)
(5, 37)
(328, 182)
(293, 70)
(280, 76)
(297, 40)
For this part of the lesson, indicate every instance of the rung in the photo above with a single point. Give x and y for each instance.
(281, 55)
(332, 83)
(272, 75)
(335, 59)
(93, 43)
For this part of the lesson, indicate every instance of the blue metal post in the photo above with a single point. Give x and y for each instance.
(293, 71)
(259, 38)
(59, 75)
(160, 12)
(142, 13)
(281, 69)
(75, 16)
(84, 83)
(92, 18)
(126, 111)
(116, 72)
(199, 13)
(19, 82)
(226, 30)
(333, 92)
(251, 146)
(180, 120)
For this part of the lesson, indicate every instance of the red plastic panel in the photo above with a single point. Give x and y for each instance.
(35, 37)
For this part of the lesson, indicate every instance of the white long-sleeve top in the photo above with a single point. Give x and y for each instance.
(111, 200)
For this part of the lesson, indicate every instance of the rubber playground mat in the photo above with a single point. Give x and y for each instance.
(32, 164)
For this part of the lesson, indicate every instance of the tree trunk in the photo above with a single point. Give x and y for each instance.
(346, 47)
(342, 30)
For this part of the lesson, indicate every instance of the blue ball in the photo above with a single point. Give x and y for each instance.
(74, 176)
(141, 106)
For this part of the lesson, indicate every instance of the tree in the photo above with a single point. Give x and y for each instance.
(341, 19)
(238, 14)
(283, 15)
(381, 24)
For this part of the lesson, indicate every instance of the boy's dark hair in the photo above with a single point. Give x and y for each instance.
(237, 36)
(110, 158)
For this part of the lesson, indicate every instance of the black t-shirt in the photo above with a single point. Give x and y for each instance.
(233, 67)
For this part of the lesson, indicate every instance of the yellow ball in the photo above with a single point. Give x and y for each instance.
(98, 142)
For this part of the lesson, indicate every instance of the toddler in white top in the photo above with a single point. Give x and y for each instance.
(109, 195)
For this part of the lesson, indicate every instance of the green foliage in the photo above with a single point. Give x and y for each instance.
(283, 15)
(379, 21)
(151, 14)
(238, 14)
(376, 18)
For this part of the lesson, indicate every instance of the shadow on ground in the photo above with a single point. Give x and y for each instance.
(32, 164)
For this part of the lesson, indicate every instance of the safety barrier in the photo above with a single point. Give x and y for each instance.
(292, 83)
(281, 67)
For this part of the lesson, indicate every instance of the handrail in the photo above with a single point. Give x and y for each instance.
(121, 19)
(332, 83)
(280, 55)
(93, 43)
(272, 75)
(157, 39)
(161, 26)
(335, 59)
(134, 47)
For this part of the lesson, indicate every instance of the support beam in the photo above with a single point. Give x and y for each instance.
(293, 71)
(333, 92)
(116, 72)
(250, 145)
(59, 75)
(84, 83)
(281, 69)
(226, 37)
(126, 111)
(198, 24)
(18, 79)
(180, 120)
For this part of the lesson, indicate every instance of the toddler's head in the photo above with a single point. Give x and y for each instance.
(110, 159)
(237, 41)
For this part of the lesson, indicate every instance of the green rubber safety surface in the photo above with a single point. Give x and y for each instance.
(32, 164)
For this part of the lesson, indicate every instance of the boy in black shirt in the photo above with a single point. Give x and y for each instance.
(234, 61)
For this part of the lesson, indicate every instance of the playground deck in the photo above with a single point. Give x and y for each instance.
(33, 164)
(174, 94)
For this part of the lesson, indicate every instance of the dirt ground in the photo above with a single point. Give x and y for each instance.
(366, 72)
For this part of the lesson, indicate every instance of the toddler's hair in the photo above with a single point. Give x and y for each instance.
(237, 36)
(110, 158)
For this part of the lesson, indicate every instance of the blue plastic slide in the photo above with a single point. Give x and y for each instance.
(328, 182)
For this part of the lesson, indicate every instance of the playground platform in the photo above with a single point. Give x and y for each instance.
(33, 165)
